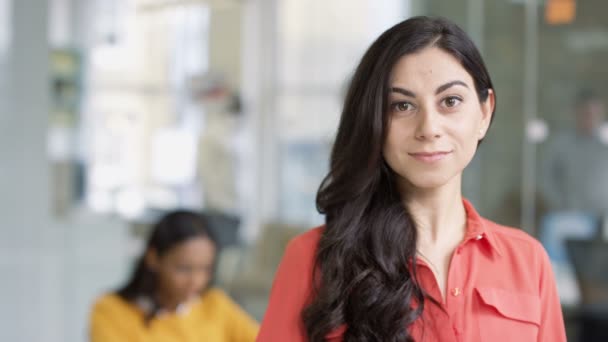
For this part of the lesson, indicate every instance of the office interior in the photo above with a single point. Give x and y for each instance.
(117, 111)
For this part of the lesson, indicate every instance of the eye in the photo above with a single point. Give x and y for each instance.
(452, 101)
(402, 106)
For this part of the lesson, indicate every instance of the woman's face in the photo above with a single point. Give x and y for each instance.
(436, 119)
(185, 270)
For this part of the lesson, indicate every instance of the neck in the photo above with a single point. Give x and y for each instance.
(439, 214)
(167, 303)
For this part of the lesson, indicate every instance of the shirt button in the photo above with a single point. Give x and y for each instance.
(455, 292)
(479, 237)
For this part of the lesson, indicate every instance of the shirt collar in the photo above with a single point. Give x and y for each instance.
(145, 304)
(478, 229)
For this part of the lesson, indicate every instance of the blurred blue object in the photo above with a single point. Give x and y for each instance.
(555, 229)
(558, 226)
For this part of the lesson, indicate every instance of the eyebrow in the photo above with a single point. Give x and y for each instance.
(439, 90)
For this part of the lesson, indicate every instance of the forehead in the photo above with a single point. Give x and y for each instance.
(195, 248)
(428, 69)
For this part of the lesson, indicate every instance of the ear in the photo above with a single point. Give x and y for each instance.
(487, 110)
(151, 259)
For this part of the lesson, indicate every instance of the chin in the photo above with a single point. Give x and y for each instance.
(430, 181)
(428, 185)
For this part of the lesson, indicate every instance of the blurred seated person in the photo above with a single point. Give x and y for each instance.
(575, 167)
(168, 297)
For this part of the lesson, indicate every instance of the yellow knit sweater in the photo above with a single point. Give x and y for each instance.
(214, 318)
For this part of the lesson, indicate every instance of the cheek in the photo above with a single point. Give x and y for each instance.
(173, 280)
(390, 153)
(395, 139)
(469, 153)
(467, 127)
(469, 140)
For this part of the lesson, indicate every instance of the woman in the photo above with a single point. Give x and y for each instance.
(167, 298)
(402, 256)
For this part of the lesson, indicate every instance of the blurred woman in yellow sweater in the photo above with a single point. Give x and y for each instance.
(168, 298)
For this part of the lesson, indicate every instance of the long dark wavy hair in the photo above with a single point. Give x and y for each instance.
(365, 274)
(171, 230)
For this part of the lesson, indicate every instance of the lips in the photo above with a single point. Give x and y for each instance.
(430, 157)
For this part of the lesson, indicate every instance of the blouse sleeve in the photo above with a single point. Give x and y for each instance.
(552, 322)
(289, 294)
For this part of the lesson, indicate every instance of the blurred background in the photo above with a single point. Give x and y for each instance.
(116, 111)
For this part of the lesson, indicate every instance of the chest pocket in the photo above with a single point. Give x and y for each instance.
(505, 315)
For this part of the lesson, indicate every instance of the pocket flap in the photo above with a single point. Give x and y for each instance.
(515, 305)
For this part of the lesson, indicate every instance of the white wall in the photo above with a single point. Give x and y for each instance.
(24, 244)
(50, 270)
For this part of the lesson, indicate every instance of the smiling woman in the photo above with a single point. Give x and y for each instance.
(168, 298)
(435, 115)
(402, 255)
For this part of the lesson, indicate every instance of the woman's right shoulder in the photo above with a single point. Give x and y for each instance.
(303, 246)
(110, 302)
(114, 319)
(298, 260)
(291, 289)
(307, 240)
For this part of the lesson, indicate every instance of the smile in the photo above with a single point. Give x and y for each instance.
(430, 157)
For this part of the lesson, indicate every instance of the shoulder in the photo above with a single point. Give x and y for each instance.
(215, 301)
(110, 301)
(216, 305)
(110, 307)
(300, 251)
(294, 275)
(522, 264)
(216, 298)
(298, 262)
(215, 293)
(306, 242)
(291, 289)
(511, 236)
(516, 242)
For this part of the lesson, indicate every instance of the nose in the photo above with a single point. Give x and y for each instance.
(428, 126)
